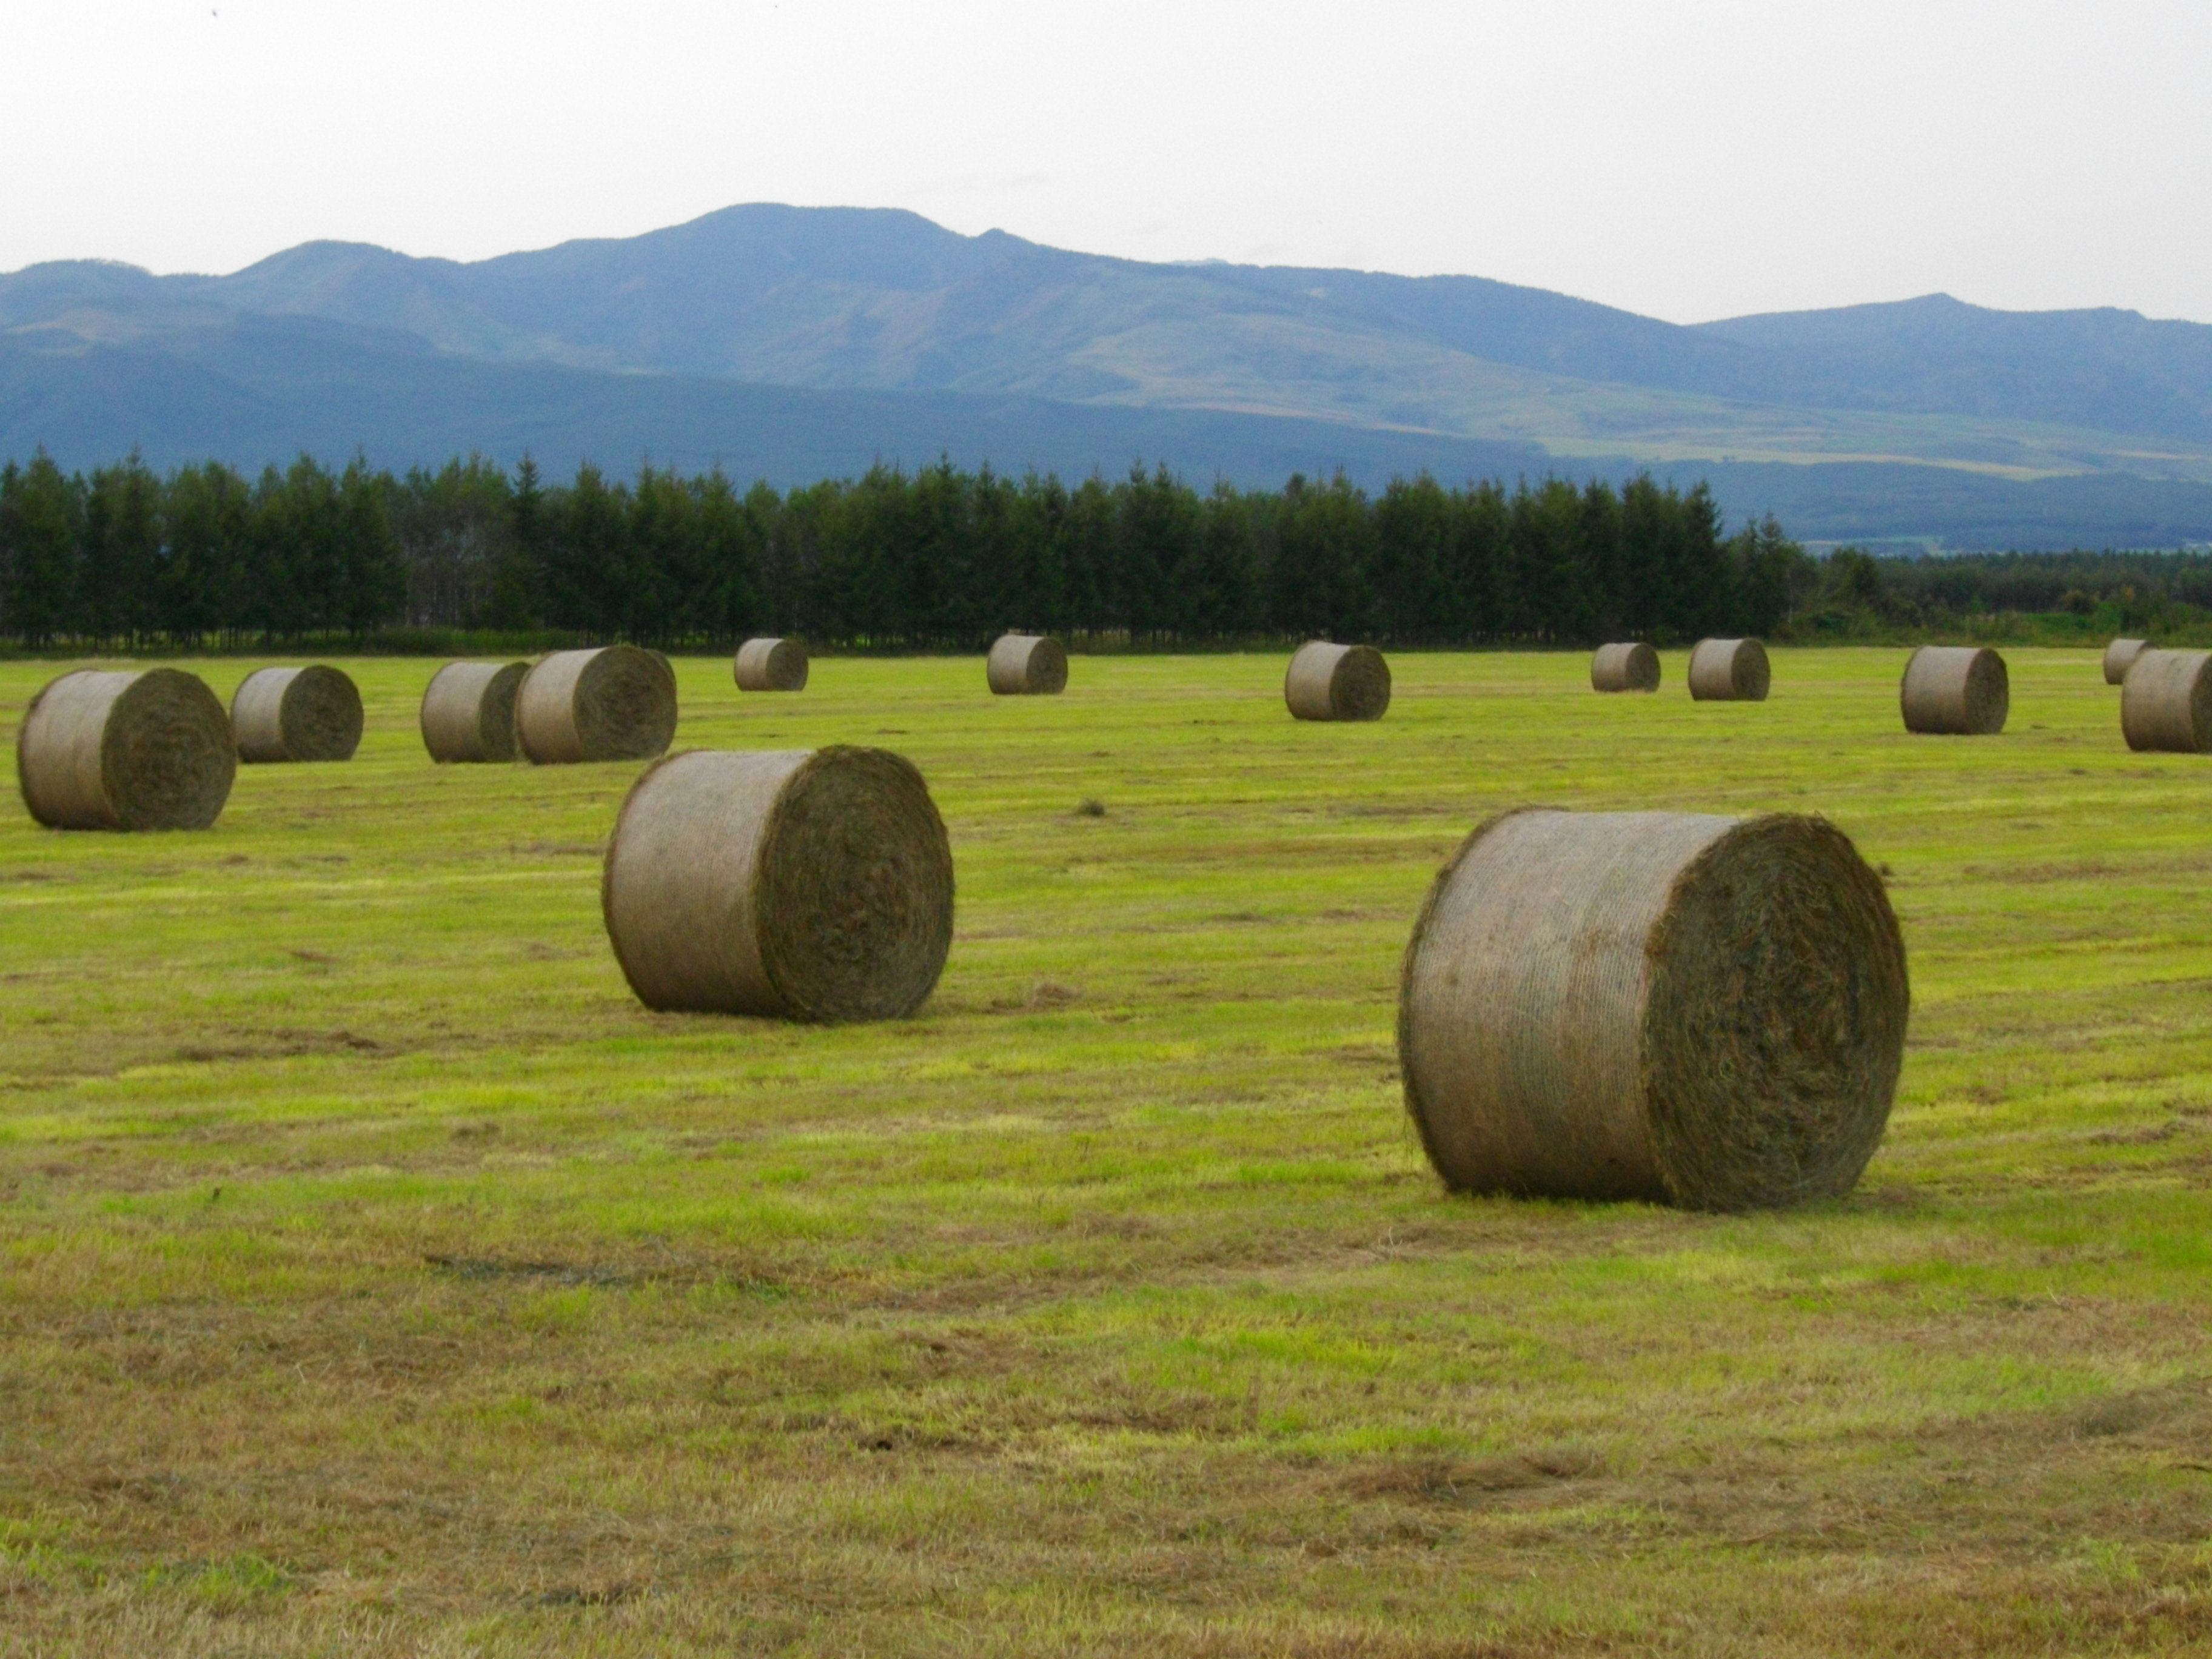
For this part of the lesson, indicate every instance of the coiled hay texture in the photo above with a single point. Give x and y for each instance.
(2120, 656)
(1326, 682)
(1702, 1010)
(133, 749)
(811, 885)
(2165, 702)
(1625, 668)
(1027, 664)
(1959, 690)
(771, 665)
(617, 703)
(296, 715)
(468, 711)
(1729, 670)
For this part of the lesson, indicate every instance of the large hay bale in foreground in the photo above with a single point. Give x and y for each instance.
(1729, 670)
(468, 711)
(1327, 681)
(1704, 1010)
(130, 750)
(296, 715)
(1961, 691)
(617, 703)
(811, 885)
(2165, 702)
(1026, 665)
(1627, 667)
(2120, 656)
(770, 665)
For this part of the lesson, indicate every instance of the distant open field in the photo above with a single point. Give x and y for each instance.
(377, 1276)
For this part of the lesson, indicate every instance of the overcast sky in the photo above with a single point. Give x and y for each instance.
(1687, 161)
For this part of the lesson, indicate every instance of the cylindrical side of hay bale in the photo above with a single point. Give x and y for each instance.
(143, 749)
(799, 884)
(1628, 667)
(616, 702)
(310, 714)
(1026, 665)
(468, 711)
(1729, 670)
(2165, 702)
(1703, 1011)
(771, 665)
(2120, 656)
(1327, 681)
(1961, 691)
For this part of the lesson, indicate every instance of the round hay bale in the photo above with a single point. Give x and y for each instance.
(1027, 664)
(2165, 702)
(147, 749)
(811, 884)
(468, 711)
(1959, 690)
(1702, 1011)
(1327, 681)
(1729, 670)
(296, 715)
(1625, 668)
(2120, 656)
(771, 665)
(617, 703)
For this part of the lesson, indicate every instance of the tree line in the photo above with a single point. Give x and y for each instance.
(937, 558)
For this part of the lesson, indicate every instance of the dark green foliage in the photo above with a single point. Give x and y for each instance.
(940, 558)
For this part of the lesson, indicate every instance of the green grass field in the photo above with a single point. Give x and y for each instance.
(377, 1276)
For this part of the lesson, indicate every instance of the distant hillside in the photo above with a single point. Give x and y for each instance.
(921, 339)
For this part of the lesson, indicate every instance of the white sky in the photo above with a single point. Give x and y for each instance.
(1688, 160)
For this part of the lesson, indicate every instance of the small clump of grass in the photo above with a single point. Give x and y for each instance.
(1090, 807)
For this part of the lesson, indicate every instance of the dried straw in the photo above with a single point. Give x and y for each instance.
(103, 750)
(1729, 670)
(2165, 702)
(1027, 664)
(797, 884)
(296, 715)
(2120, 656)
(468, 711)
(1625, 668)
(1327, 681)
(771, 665)
(1702, 1011)
(618, 702)
(1959, 690)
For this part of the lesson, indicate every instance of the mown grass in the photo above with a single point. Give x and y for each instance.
(376, 1275)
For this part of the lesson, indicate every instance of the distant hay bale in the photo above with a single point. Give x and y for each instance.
(2165, 702)
(1702, 1010)
(1633, 667)
(296, 715)
(148, 749)
(812, 884)
(617, 703)
(771, 665)
(1729, 670)
(468, 711)
(1027, 664)
(1327, 681)
(2120, 656)
(1959, 690)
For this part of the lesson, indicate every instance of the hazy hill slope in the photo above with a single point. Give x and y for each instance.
(887, 299)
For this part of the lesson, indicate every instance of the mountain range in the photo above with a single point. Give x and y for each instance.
(793, 343)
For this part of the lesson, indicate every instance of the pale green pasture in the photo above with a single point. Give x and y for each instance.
(374, 1273)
